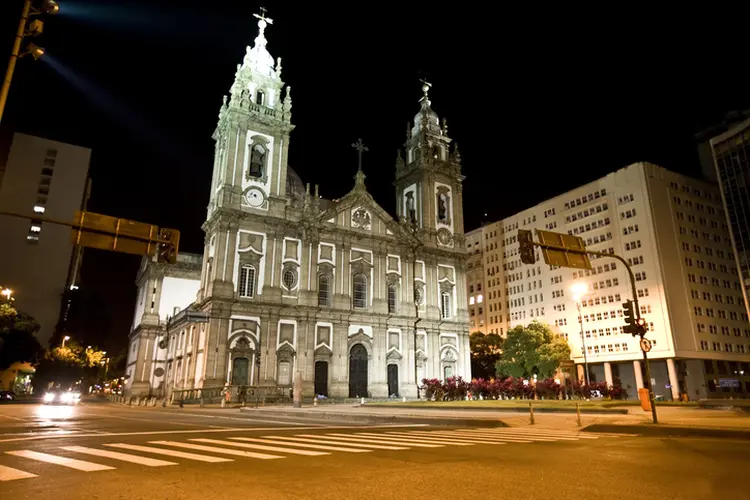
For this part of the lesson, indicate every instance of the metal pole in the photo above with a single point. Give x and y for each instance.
(416, 320)
(14, 56)
(650, 387)
(583, 344)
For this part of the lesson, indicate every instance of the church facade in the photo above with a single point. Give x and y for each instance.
(336, 292)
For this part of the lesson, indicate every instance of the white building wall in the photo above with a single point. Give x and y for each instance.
(176, 292)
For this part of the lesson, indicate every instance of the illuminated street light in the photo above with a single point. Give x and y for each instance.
(35, 27)
(65, 339)
(580, 290)
(7, 292)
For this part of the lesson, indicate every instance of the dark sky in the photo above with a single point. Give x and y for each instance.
(539, 100)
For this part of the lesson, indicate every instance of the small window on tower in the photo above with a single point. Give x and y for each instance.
(260, 98)
(257, 160)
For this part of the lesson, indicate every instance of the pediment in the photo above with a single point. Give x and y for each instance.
(358, 211)
(323, 350)
(394, 354)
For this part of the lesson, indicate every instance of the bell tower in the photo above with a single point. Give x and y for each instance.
(252, 136)
(428, 178)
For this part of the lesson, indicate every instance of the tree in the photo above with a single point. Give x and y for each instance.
(485, 353)
(532, 350)
(17, 340)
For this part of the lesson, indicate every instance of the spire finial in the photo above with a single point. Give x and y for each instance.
(263, 21)
(425, 89)
(361, 148)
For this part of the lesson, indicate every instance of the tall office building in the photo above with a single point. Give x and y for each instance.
(731, 154)
(42, 178)
(673, 232)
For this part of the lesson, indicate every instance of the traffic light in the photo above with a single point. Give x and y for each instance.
(168, 246)
(640, 325)
(526, 247)
(630, 321)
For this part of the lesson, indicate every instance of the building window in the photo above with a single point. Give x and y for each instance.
(392, 298)
(257, 161)
(360, 291)
(290, 279)
(324, 290)
(260, 98)
(445, 305)
(247, 281)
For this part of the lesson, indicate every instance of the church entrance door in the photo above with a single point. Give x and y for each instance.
(392, 380)
(321, 378)
(239, 371)
(358, 372)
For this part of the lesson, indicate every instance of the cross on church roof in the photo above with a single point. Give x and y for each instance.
(360, 147)
(262, 16)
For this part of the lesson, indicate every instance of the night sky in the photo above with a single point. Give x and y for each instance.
(539, 101)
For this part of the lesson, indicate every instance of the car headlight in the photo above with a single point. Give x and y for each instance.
(49, 397)
(67, 397)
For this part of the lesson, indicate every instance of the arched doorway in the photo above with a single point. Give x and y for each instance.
(240, 371)
(358, 371)
(321, 378)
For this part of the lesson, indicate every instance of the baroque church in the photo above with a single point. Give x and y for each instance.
(336, 292)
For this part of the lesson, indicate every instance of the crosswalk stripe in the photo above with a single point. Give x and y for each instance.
(214, 449)
(332, 440)
(116, 455)
(306, 453)
(314, 444)
(363, 439)
(58, 460)
(170, 453)
(530, 434)
(433, 439)
(460, 438)
(506, 439)
(10, 474)
(401, 439)
(518, 435)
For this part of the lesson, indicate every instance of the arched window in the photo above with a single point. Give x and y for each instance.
(445, 305)
(360, 291)
(324, 290)
(247, 281)
(260, 98)
(257, 160)
(392, 298)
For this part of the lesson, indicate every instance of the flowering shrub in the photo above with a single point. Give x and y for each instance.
(456, 389)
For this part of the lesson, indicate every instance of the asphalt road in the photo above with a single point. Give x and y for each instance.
(108, 451)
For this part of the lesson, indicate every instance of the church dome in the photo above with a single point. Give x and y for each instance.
(426, 115)
(295, 188)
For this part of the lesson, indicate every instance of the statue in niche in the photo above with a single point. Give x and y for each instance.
(257, 161)
(411, 212)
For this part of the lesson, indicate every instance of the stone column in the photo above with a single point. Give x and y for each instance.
(608, 373)
(674, 382)
(638, 374)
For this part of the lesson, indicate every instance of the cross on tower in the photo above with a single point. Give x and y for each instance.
(361, 148)
(262, 16)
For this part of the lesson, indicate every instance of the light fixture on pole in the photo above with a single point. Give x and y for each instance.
(35, 27)
(65, 339)
(7, 292)
(579, 292)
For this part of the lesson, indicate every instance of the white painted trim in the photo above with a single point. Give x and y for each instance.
(236, 149)
(278, 334)
(449, 346)
(422, 279)
(330, 339)
(399, 349)
(297, 259)
(354, 329)
(273, 261)
(398, 266)
(309, 267)
(278, 167)
(260, 272)
(290, 296)
(226, 258)
(426, 348)
(449, 207)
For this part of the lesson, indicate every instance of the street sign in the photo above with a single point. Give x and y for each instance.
(561, 257)
(645, 345)
(110, 233)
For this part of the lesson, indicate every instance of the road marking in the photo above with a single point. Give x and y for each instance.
(115, 455)
(300, 443)
(332, 440)
(63, 434)
(10, 474)
(261, 447)
(518, 436)
(214, 449)
(453, 440)
(170, 453)
(58, 460)
(526, 434)
(351, 437)
(536, 432)
(508, 439)
(449, 436)
(424, 443)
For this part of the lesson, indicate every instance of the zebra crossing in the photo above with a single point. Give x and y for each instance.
(275, 447)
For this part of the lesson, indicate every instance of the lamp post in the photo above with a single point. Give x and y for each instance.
(7, 292)
(579, 291)
(35, 28)
(65, 339)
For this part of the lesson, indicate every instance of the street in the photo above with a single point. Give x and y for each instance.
(104, 450)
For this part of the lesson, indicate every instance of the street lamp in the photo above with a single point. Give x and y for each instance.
(35, 28)
(579, 292)
(7, 292)
(65, 339)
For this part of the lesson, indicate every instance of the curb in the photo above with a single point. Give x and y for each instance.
(369, 418)
(521, 409)
(662, 430)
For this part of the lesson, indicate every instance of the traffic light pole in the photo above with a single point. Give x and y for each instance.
(637, 308)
